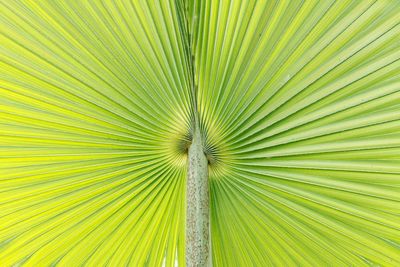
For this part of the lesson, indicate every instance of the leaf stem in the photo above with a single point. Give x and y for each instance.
(198, 205)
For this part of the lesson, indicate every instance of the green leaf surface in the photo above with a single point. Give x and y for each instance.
(299, 103)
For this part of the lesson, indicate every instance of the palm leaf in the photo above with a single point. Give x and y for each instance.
(299, 104)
